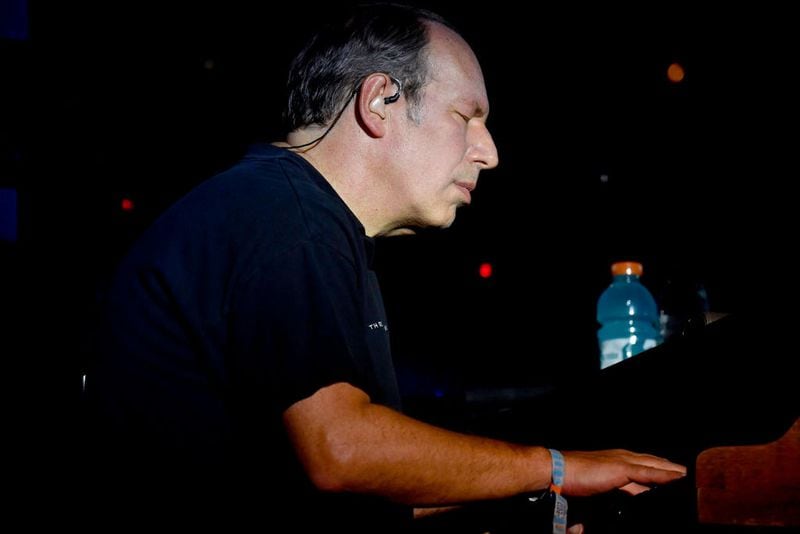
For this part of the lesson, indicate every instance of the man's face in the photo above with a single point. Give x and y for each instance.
(439, 157)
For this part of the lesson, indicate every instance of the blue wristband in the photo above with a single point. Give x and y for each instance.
(560, 507)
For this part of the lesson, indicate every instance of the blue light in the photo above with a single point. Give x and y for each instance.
(14, 19)
(8, 215)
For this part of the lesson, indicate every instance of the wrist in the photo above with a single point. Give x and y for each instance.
(537, 470)
(556, 471)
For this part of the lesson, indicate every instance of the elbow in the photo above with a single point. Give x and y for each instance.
(333, 467)
(330, 432)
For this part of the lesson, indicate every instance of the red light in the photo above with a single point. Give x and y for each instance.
(675, 73)
(485, 270)
(126, 204)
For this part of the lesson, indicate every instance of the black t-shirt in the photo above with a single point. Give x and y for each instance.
(249, 294)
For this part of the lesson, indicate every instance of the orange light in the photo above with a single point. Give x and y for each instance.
(485, 270)
(675, 73)
(126, 204)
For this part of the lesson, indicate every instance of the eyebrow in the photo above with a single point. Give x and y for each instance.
(472, 104)
(477, 109)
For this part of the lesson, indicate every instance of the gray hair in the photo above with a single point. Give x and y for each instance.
(388, 38)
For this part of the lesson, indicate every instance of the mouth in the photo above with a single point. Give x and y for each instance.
(469, 186)
(466, 188)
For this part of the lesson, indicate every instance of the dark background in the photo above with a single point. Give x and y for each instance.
(143, 101)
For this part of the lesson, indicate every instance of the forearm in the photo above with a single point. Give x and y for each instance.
(417, 463)
(368, 448)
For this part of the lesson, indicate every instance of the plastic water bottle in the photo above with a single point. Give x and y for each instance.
(628, 316)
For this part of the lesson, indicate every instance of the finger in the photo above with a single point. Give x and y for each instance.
(659, 463)
(575, 529)
(656, 475)
(634, 489)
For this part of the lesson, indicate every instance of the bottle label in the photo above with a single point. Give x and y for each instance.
(617, 349)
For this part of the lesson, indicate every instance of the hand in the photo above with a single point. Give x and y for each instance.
(575, 529)
(591, 472)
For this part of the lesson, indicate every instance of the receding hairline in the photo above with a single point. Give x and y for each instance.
(452, 40)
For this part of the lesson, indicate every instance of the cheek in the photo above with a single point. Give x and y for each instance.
(448, 145)
(436, 151)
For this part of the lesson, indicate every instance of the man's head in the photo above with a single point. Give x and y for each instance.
(379, 38)
(398, 163)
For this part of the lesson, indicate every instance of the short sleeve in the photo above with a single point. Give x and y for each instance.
(296, 326)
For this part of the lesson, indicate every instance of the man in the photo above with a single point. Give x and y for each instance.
(247, 352)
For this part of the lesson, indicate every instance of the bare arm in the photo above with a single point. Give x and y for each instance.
(346, 443)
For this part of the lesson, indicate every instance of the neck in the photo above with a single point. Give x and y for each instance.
(355, 174)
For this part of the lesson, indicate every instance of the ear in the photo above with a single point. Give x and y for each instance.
(370, 104)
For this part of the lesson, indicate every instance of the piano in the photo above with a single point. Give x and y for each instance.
(721, 399)
(751, 485)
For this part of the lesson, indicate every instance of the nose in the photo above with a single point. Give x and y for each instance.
(482, 149)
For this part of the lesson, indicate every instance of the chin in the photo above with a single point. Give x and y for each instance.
(448, 221)
(436, 219)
